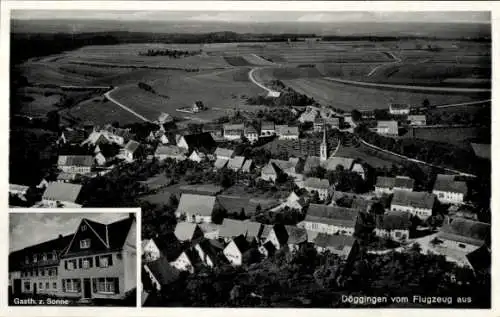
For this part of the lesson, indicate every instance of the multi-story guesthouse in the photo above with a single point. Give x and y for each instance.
(97, 261)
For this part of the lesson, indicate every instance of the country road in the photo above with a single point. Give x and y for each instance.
(253, 80)
(108, 96)
(396, 61)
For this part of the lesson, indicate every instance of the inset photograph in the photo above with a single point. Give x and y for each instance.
(72, 259)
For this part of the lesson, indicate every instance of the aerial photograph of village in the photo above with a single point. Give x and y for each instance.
(279, 159)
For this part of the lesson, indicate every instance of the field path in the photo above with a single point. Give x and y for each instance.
(407, 87)
(397, 60)
(108, 96)
(253, 80)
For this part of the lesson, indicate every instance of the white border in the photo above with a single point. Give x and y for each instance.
(5, 8)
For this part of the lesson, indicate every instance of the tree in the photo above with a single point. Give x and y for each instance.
(356, 115)
(426, 103)
(53, 120)
(218, 215)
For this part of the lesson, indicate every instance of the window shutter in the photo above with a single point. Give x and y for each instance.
(110, 260)
(65, 264)
(97, 261)
(80, 263)
(117, 286)
(94, 285)
(64, 285)
(90, 262)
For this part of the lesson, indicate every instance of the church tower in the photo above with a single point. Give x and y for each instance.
(323, 149)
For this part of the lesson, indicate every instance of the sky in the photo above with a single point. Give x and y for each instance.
(27, 229)
(259, 16)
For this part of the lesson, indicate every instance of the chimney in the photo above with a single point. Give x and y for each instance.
(60, 236)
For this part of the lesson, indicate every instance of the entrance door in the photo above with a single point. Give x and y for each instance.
(16, 286)
(87, 288)
(34, 288)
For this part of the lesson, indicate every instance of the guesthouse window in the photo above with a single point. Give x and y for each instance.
(35, 258)
(85, 244)
(106, 285)
(461, 245)
(44, 257)
(84, 227)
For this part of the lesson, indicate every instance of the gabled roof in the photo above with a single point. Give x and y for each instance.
(362, 204)
(333, 215)
(196, 204)
(451, 186)
(236, 162)
(233, 204)
(247, 166)
(385, 182)
(480, 259)
(170, 150)
(132, 146)
(399, 106)
(223, 152)
(220, 163)
(266, 229)
(413, 199)
(241, 243)
(249, 129)
(338, 242)
(394, 220)
(281, 233)
(163, 271)
(231, 228)
(74, 136)
(16, 187)
(233, 126)
(465, 230)
(62, 192)
(285, 165)
(270, 168)
(75, 160)
(200, 140)
(482, 150)
(118, 232)
(391, 125)
(267, 125)
(404, 182)
(185, 230)
(318, 183)
(287, 130)
(296, 235)
(311, 163)
(345, 162)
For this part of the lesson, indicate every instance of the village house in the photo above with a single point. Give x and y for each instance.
(404, 183)
(197, 156)
(463, 235)
(100, 159)
(235, 250)
(389, 128)
(236, 163)
(278, 236)
(100, 260)
(160, 273)
(289, 167)
(187, 261)
(339, 245)
(293, 202)
(267, 129)
(420, 204)
(450, 191)
(359, 169)
(384, 185)
(34, 269)
(215, 131)
(248, 166)
(187, 231)
(223, 154)
(220, 163)
(75, 164)
(197, 141)
(417, 120)
(399, 109)
(394, 225)
(297, 237)
(285, 132)
(232, 228)
(61, 195)
(210, 252)
(251, 134)
(150, 251)
(321, 186)
(270, 172)
(233, 131)
(330, 219)
(164, 152)
(309, 115)
(114, 135)
(130, 150)
(196, 208)
(72, 137)
(210, 230)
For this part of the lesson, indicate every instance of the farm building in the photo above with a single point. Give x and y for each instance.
(337, 244)
(236, 163)
(233, 131)
(164, 152)
(399, 109)
(222, 153)
(384, 185)
(463, 234)
(394, 225)
(404, 183)
(197, 141)
(270, 172)
(420, 204)
(196, 208)
(251, 134)
(289, 167)
(267, 128)
(129, 151)
(389, 128)
(75, 164)
(215, 131)
(448, 190)
(330, 219)
(419, 120)
(61, 195)
(321, 186)
(285, 132)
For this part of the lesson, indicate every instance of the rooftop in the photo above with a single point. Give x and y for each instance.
(196, 204)
(62, 192)
(414, 199)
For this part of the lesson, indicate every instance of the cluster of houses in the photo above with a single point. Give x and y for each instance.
(97, 261)
(391, 127)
